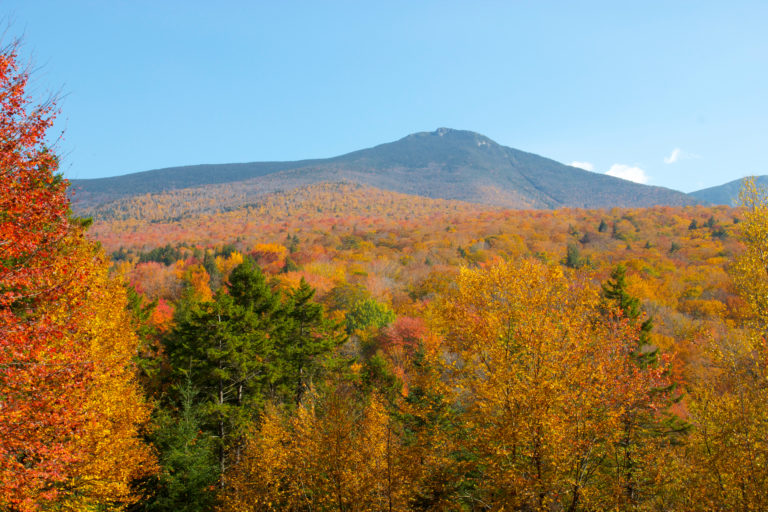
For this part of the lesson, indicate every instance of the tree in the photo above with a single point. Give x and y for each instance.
(111, 451)
(339, 451)
(573, 258)
(727, 459)
(225, 347)
(369, 313)
(646, 426)
(539, 384)
(750, 270)
(308, 339)
(190, 469)
(41, 378)
(619, 300)
(71, 412)
(44, 374)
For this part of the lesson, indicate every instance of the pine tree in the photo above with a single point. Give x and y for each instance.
(615, 292)
(190, 470)
(573, 257)
(148, 359)
(226, 348)
(308, 340)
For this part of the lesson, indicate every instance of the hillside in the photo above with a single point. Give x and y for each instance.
(727, 193)
(150, 220)
(444, 164)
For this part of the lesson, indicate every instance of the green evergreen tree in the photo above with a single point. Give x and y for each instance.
(148, 359)
(573, 257)
(308, 340)
(615, 292)
(292, 242)
(209, 264)
(377, 375)
(226, 348)
(187, 456)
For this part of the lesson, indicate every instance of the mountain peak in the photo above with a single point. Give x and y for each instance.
(453, 136)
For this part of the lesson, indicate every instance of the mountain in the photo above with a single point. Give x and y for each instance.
(445, 164)
(728, 193)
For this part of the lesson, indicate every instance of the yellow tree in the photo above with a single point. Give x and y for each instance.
(112, 453)
(727, 458)
(338, 451)
(197, 280)
(750, 270)
(540, 384)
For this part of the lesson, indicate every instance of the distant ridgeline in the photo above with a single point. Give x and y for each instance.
(728, 193)
(444, 164)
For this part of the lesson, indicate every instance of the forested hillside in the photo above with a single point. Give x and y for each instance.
(595, 345)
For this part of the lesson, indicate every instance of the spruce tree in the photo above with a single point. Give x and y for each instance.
(309, 339)
(187, 456)
(573, 257)
(615, 292)
(226, 348)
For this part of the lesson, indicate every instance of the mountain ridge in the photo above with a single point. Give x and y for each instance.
(727, 193)
(445, 164)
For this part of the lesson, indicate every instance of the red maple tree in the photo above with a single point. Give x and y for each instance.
(41, 375)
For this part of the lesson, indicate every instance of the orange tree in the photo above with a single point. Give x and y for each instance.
(40, 377)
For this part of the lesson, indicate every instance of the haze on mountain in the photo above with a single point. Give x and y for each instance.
(727, 193)
(445, 164)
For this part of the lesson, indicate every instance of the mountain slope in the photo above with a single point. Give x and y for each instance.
(727, 193)
(445, 164)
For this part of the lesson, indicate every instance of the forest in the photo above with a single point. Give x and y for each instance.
(344, 348)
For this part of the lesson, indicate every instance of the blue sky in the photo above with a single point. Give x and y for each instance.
(673, 92)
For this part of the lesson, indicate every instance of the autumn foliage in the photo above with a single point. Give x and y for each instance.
(111, 452)
(529, 360)
(58, 320)
(40, 376)
(339, 347)
(545, 381)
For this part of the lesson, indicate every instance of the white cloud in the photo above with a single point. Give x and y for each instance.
(627, 172)
(583, 165)
(674, 157)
